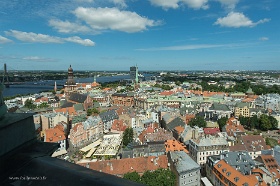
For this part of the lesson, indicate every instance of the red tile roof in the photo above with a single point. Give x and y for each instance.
(55, 134)
(224, 170)
(166, 93)
(118, 125)
(211, 131)
(174, 145)
(271, 164)
(119, 167)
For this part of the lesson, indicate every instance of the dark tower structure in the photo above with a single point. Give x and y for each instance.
(5, 80)
(70, 85)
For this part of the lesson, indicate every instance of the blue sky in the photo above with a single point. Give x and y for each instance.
(152, 34)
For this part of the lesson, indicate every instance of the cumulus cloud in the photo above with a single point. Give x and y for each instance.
(42, 38)
(76, 39)
(120, 3)
(195, 4)
(68, 27)
(228, 3)
(4, 40)
(236, 20)
(264, 38)
(114, 19)
(33, 37)
(38, 59)
(166, 4)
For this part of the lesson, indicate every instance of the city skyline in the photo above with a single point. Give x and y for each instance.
(152, 34)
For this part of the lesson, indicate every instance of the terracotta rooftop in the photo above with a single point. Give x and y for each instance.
(179, 129)
(55, 134)
(166, 93)
(70, 110)
(118, 125)
(271, 164)
(119, 167)
(174, 145)
(233, 175)
(211, 131)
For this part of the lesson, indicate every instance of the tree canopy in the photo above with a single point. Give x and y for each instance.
(198, 121)
(163, 177)
(29, 104)
(127, 136)
(222, 122)
(264, 122)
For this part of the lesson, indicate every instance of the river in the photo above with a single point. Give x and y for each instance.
(36, 87)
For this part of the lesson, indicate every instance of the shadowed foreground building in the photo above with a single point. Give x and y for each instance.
(26, 161)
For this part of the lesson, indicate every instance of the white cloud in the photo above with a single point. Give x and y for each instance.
(41, 38)
(114, 19)
(166, 4)
(38, 59)
(68, 27)
(228, 3)
(120, 3)
(197, 4)
(4, 40)
(264, 38)
(236, 20)
(187, 47)
(76, 39)
(33, 37)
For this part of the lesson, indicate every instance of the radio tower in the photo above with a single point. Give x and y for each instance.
(5, 80)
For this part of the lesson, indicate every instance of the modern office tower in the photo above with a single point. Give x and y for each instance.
(134, 74)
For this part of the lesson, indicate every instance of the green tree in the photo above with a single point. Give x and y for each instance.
(198, 121)
(163, 177)
(29, 104)
(244, 121)
(133, 176)
(265, 122)
(271, 142)
(148, 178)
(273, 121)
(127, 136)
(91, 111)
(222, 122)
(254, 122)
(43, 105)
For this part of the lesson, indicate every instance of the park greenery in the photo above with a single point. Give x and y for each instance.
(163, 177)
(91, 111)
(127, 136)
(271, 142)
(198, 121)
(241, 85)
(222, 122)
(263, 123)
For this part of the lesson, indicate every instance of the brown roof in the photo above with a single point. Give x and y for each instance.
(166, 93)
(121, 166)
(271, 164)
(174, 145)
(179, 129)
(233, 175)
(233, 125)
(55, 134)
(118, 125)
(254, 142)
(70, 110)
